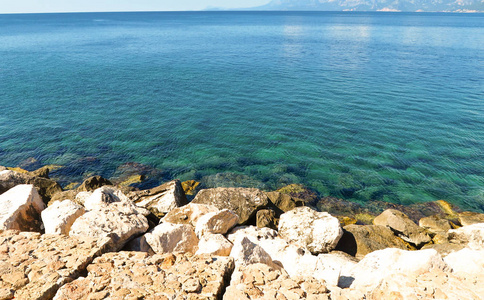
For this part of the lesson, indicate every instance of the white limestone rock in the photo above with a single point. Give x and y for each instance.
(317, 231)
(297, 261)
(218, 222)
(214, 244)
(381, 264)
(188, 214)
(59, 217)
(246, 253)
(466, 261)
(168, 238)
(472, 235)
(20, 208)
(110, 214)
(103, 197)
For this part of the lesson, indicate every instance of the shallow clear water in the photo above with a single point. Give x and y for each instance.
(363, 106)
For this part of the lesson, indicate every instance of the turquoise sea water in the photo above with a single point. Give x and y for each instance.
(362, 106)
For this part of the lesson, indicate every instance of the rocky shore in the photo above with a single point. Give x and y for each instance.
(101, 240)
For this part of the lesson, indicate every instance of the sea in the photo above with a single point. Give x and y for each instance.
(360, 106)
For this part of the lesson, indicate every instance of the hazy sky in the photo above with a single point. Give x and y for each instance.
(33, 6)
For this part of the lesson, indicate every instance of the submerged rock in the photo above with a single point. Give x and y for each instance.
(20, 208)
(299, 193)
(190, 187)
(243, 201)
(228, 179)
(318, 231)
(137, 175)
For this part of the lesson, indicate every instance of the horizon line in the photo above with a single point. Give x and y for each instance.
(236, 10)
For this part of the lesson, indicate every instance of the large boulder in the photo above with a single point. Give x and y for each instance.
(403, 227)
(318, 231)
(219, 222)
(20, 208)
(168, 238)
(435, 224)
(161, 199)
(110, 213)
(381, 264)
(135, 275)
(246, 252)
(45, 187)
(245, 202)
(295, 260)
(359, 240)
(188, 214)
(214, 244)
(59, 217)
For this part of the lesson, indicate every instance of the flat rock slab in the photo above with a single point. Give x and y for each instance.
(34, 266)
(260, 281)
(136, 275)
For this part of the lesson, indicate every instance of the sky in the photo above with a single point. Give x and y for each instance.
(41, 6)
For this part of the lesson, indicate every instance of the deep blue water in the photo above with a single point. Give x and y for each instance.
(363, 106)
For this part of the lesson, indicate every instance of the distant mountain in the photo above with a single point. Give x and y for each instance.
(377, 5)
